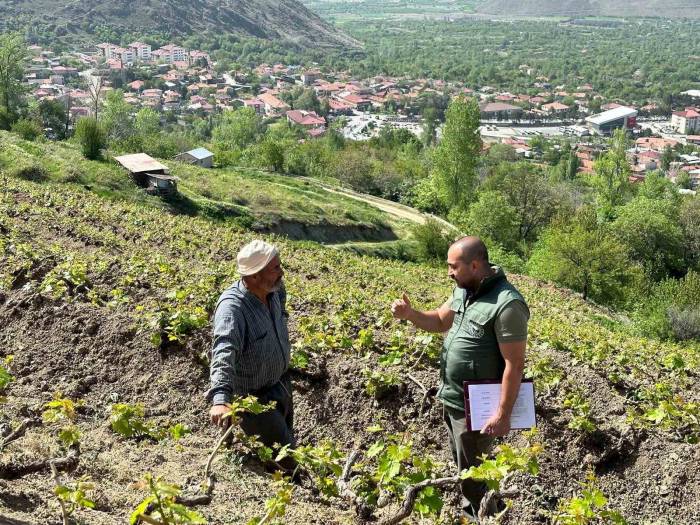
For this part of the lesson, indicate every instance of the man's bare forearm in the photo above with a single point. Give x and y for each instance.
(510, 386)
(429, 321)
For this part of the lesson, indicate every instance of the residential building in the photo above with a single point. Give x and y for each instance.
(306, 119)
(355, 101)
(273, 105)
(257, 105)
(686, 121)
(555, 107)
(655, 143)
(141, 51)
(170, 53)
(500, 111)
(310, 76)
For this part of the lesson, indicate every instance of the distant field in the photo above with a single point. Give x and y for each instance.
(339, 10)
(343, 10)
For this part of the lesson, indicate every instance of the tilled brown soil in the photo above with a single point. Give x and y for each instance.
(98, 355)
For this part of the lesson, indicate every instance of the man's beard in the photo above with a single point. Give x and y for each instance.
(464, 286)
(276, 287)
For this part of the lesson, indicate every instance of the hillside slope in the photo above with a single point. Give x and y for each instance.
(108, 301)
(582, 8)
(270, 19)
(299, 209)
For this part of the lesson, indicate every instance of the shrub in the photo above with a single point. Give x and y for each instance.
(34, 173)
(27, 129)
(685, 324)
(671, 309)
(92, 137)
(433, 243)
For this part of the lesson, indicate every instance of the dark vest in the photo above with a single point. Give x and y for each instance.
(470, 350)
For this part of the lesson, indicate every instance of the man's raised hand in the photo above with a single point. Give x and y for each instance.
(401, 308)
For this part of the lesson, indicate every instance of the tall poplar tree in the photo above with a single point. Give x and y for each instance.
(457, 154)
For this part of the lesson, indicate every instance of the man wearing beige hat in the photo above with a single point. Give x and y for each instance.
(250, 352)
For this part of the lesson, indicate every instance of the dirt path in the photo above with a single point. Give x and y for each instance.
(398, 210)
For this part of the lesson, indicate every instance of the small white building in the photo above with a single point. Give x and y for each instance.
(201, 157)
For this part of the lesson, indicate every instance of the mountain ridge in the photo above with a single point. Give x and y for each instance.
(288, 20)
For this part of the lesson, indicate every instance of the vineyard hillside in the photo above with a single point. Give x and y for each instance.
(105, 306)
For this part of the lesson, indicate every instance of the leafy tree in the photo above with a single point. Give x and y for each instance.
(567, 169)
(670, 309)
(586, 259)
(147, 122)
(499, 153)
(657, 186)
(432, 241)
(667, 157)
(13, 54)
(612, 172)
(116, 116)
(307, 100)
(457, 154)
(689, 219)
(355, 168)
(683, 180)
(269, 155)
(91, 136)
(237, 129)
(528, 191)
(430, 124)
(493, 217)
(650, 229)
(54, 115)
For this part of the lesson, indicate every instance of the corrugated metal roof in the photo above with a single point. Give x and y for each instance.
(200, 153)
(613, 114)
(140, 163)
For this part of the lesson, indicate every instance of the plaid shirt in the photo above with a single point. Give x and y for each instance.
(251, 343)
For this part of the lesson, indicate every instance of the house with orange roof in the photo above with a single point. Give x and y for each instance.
(686, 121)
(306, 119)
(273, 105)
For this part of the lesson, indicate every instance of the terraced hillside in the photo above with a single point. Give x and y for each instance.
(107, 301)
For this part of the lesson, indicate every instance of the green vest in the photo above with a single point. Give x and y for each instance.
(470, 350)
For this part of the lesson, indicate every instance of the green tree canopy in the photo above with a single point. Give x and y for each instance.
(650, 229)
(116, 116)
(492, 217)
(588, 260)
(147, 122)
(457, 154)
(91, 136)
(13, 55)
(529, 192)
(612, 171)
(237, 129)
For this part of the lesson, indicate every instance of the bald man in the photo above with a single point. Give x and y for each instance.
(486, 323)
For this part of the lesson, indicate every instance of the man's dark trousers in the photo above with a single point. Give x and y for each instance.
(467, 447)
(274, 426)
